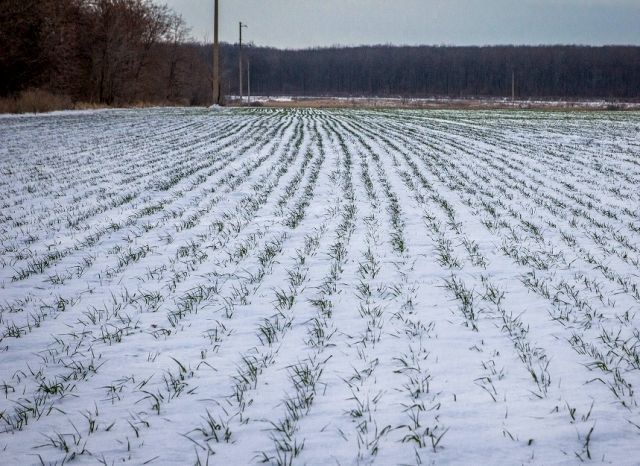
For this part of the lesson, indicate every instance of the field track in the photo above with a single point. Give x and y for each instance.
(297, 286)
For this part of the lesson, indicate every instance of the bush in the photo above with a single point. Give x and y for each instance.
(35, 101)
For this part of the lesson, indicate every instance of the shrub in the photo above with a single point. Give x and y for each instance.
(35, 101)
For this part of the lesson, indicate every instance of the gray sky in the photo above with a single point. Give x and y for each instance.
(306, 23)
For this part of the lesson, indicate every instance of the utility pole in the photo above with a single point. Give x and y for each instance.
(513, 85)
(248, 81)
(216, 57)
(240, 62)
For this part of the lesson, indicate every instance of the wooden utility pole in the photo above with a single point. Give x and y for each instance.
(248, 81)
(240, 62)
(217, 98)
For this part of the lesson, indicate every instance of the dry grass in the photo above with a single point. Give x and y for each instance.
(41, 101)
(35, 101)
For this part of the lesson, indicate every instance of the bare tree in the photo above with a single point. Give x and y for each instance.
(176, 59)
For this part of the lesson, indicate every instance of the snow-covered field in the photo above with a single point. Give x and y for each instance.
(320, 287)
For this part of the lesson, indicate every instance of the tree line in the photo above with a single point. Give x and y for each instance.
(118, 52)
(105, 51)
(425, 71)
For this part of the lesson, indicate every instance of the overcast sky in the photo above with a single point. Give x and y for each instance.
(307, 23)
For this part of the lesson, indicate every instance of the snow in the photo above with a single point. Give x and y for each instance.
(311, 287)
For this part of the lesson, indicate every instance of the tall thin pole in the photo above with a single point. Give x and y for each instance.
(216, 57)
(248, 81)
(513, 85)
(240, 62)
